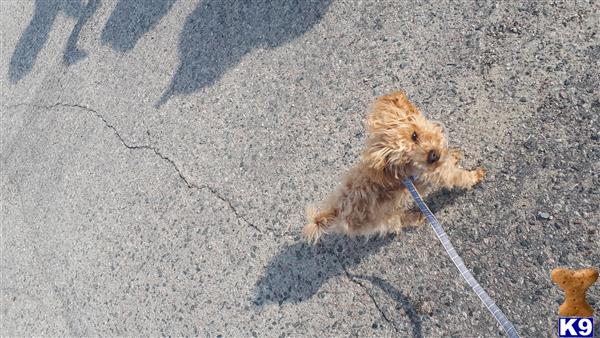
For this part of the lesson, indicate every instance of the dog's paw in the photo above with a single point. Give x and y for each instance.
(415, 219)
(479, 174)
(420, 220)
(411, 219)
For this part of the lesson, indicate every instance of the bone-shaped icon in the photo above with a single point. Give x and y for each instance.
(575, 284)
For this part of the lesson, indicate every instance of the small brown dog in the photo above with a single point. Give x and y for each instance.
(372, 198)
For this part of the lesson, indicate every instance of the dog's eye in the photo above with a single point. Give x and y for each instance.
(415, 137)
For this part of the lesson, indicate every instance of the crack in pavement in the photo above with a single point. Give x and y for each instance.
(218, 195)
(189, 184)
(351, 278)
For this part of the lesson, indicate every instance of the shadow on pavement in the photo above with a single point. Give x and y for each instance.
(127, 23)
(442, 198)
(215, 36)
(219, 33)
(298, 271)
(36, 34)
(130, 20)
(72, 53)
(403, 302)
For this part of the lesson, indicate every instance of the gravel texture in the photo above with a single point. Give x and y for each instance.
(157, 156)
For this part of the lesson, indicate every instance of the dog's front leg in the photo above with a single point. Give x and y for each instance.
(450, 175)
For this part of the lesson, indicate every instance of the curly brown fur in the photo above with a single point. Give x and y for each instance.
(371, 198)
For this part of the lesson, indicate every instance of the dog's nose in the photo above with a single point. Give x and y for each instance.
(433, 156)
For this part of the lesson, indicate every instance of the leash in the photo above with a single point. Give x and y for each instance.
(464, 271)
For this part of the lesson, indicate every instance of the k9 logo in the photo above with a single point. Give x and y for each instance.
(575, 327)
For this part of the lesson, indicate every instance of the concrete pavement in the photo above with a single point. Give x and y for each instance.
(157, 157)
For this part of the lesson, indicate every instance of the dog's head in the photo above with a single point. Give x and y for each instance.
(402, 141)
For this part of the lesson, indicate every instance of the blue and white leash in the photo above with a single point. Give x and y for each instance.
(464, 271)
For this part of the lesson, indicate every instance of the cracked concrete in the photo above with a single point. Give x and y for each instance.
(351, 278)
(77, 326)
(122, 218)
(166, 158)
(134, 147)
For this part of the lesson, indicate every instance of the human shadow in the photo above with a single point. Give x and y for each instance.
(36, 34)
(218, 33)
(403, 301)
(130, 20)
(299, 270)
(73, 54)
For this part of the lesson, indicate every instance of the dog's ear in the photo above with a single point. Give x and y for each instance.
(381, 152)
(376, 155)
(398, 100)
(391, 110)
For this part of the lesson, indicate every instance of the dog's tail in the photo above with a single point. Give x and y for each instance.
(319, 222)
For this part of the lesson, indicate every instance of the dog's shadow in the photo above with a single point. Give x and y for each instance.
(299, 270)
(402, 301)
